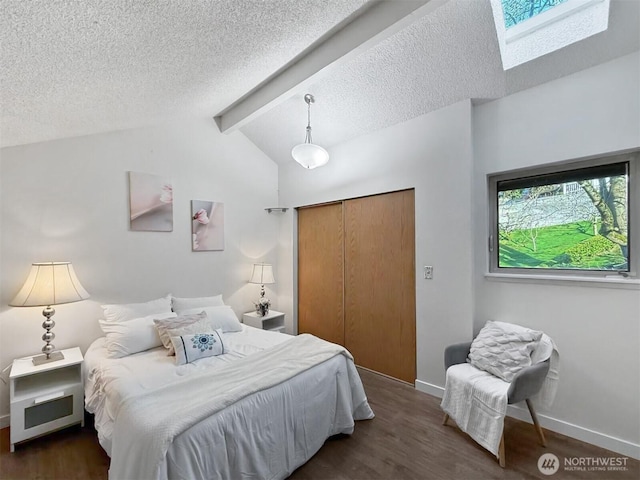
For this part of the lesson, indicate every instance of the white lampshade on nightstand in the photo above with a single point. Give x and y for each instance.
(49, 283)
(262, 274)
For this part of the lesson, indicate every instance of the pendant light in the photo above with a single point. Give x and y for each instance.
(308, 154)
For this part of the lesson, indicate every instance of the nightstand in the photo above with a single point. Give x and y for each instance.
(273, 320)
(45, 397)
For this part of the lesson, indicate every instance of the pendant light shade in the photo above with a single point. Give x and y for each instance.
(308, 154)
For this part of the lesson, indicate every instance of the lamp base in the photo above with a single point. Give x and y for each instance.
(53, 357)
(262, 309)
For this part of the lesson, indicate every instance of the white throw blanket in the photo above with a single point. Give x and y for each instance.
(146, 424)
(547, 350)
(477, 400)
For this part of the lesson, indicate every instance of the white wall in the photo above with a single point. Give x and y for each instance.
(68, 200)
(432, 154)
(597, 330)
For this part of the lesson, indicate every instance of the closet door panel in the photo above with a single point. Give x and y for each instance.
(380, 283)
(321, 272)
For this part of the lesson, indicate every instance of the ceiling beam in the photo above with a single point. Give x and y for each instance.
(380, 21)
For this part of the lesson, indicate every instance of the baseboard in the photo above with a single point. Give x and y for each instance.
(602, 440)
(586, 435)
(4, 421)
(429, 388)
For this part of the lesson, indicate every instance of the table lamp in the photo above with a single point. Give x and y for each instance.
(49, 283)
(262, 274)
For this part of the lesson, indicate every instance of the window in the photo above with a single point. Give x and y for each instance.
(517, 11)
(569, 219)
(528, 29)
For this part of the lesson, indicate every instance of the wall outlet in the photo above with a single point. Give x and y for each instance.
(428, 272)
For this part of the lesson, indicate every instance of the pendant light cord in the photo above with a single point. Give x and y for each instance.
(307, 137)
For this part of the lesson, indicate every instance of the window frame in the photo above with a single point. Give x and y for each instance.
(545, 18)
(632, 156)
(549, 31)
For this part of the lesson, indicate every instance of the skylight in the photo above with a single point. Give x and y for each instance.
(528, 29)
(517, 11)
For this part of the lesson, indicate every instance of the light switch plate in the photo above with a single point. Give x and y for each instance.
(428, 272)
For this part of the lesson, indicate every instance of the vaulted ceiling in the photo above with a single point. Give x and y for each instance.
(83, 67)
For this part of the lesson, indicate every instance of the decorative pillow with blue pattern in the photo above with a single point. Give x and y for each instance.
(190, 348)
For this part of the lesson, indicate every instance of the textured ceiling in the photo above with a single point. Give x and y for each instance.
(73, 68)
(447, 56)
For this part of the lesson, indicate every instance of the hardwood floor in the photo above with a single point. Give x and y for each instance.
(406, 440)
(70, 454)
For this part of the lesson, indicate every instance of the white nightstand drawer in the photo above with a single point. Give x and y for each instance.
(43, 414)
(47, 396)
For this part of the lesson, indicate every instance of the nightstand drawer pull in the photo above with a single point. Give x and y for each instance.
(48, 398)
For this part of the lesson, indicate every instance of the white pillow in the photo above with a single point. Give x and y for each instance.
(544, 348)
(181, 304)
(182, 325)
(503, 351)
(132, 336)
(222, 317)
(129, 311)
(200, 345)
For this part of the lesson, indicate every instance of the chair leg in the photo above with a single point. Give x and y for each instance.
(445, 419)
(501, 452)
(536, 424)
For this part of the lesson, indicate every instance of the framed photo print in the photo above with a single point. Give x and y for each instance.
(150, 203)
(207, 225)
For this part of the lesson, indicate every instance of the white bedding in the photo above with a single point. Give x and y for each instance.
(266, 434)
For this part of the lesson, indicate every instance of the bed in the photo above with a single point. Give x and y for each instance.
(259, 410)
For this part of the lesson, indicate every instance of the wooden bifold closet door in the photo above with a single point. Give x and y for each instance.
(356, 261)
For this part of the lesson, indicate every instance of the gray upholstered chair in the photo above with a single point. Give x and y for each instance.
(526, 384)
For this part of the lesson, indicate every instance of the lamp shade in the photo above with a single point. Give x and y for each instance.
(262, 274)
(310, 155)
(50, 283)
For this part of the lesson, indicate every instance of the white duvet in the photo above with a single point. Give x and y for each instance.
(270, 429)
